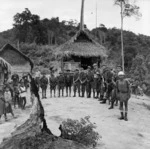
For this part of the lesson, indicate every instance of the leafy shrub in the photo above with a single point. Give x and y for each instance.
(80, 131)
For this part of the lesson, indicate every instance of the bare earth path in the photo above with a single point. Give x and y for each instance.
(116, 134)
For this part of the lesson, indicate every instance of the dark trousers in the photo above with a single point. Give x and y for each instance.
(83, 89)
(89, 89)
(68, 89)
(77, 87)
(114, 97)
(43, 92)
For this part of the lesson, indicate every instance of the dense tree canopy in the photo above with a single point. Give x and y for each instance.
(38, 39)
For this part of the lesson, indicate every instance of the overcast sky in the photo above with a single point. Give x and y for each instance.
(108, 14)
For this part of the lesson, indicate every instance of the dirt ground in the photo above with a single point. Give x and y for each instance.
(116, 134)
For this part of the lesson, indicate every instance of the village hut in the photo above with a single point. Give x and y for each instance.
(20, 63)
(81, 50)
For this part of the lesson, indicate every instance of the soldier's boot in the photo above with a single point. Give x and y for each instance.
(126, 116)
(122, 116)
(112, 105)
(104, 101)
(101, 98)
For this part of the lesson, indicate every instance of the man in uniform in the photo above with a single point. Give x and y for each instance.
(68, 83)
(89, 81)
(83, 81)
(115, 79)
(43, 85)
(76, 82)
(108, 77)
(61, 84)
(53, 84)
(95, 80)
(124, 94)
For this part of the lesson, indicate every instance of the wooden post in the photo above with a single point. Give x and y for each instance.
(122, 50)
(82, 16)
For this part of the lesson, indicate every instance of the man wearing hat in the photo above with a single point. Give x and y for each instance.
(76, 82)
(61, 83)
(89, 81)
(44, 84)
(68, 83)
(124, 94)
(83, 81)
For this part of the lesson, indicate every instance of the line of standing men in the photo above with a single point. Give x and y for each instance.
(105, 85)
(82, 81)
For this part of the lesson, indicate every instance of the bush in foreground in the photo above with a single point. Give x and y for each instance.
(81, 131)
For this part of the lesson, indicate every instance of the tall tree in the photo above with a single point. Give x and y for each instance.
(127, 10)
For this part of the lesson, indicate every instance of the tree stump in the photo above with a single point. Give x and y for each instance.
(34, 134)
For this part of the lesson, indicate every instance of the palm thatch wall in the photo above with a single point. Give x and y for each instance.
(20, 63)
(81, 45)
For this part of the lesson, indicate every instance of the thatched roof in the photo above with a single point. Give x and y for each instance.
(5, 64)
(9, 46)
(81, 45)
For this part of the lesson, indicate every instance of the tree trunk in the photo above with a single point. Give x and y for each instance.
(34, 134)
(122, 50)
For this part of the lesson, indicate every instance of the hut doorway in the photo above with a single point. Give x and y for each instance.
(85, 62)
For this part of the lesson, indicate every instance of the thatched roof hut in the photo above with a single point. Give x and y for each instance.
(20, 63)
(81, 45)
(82, 48)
